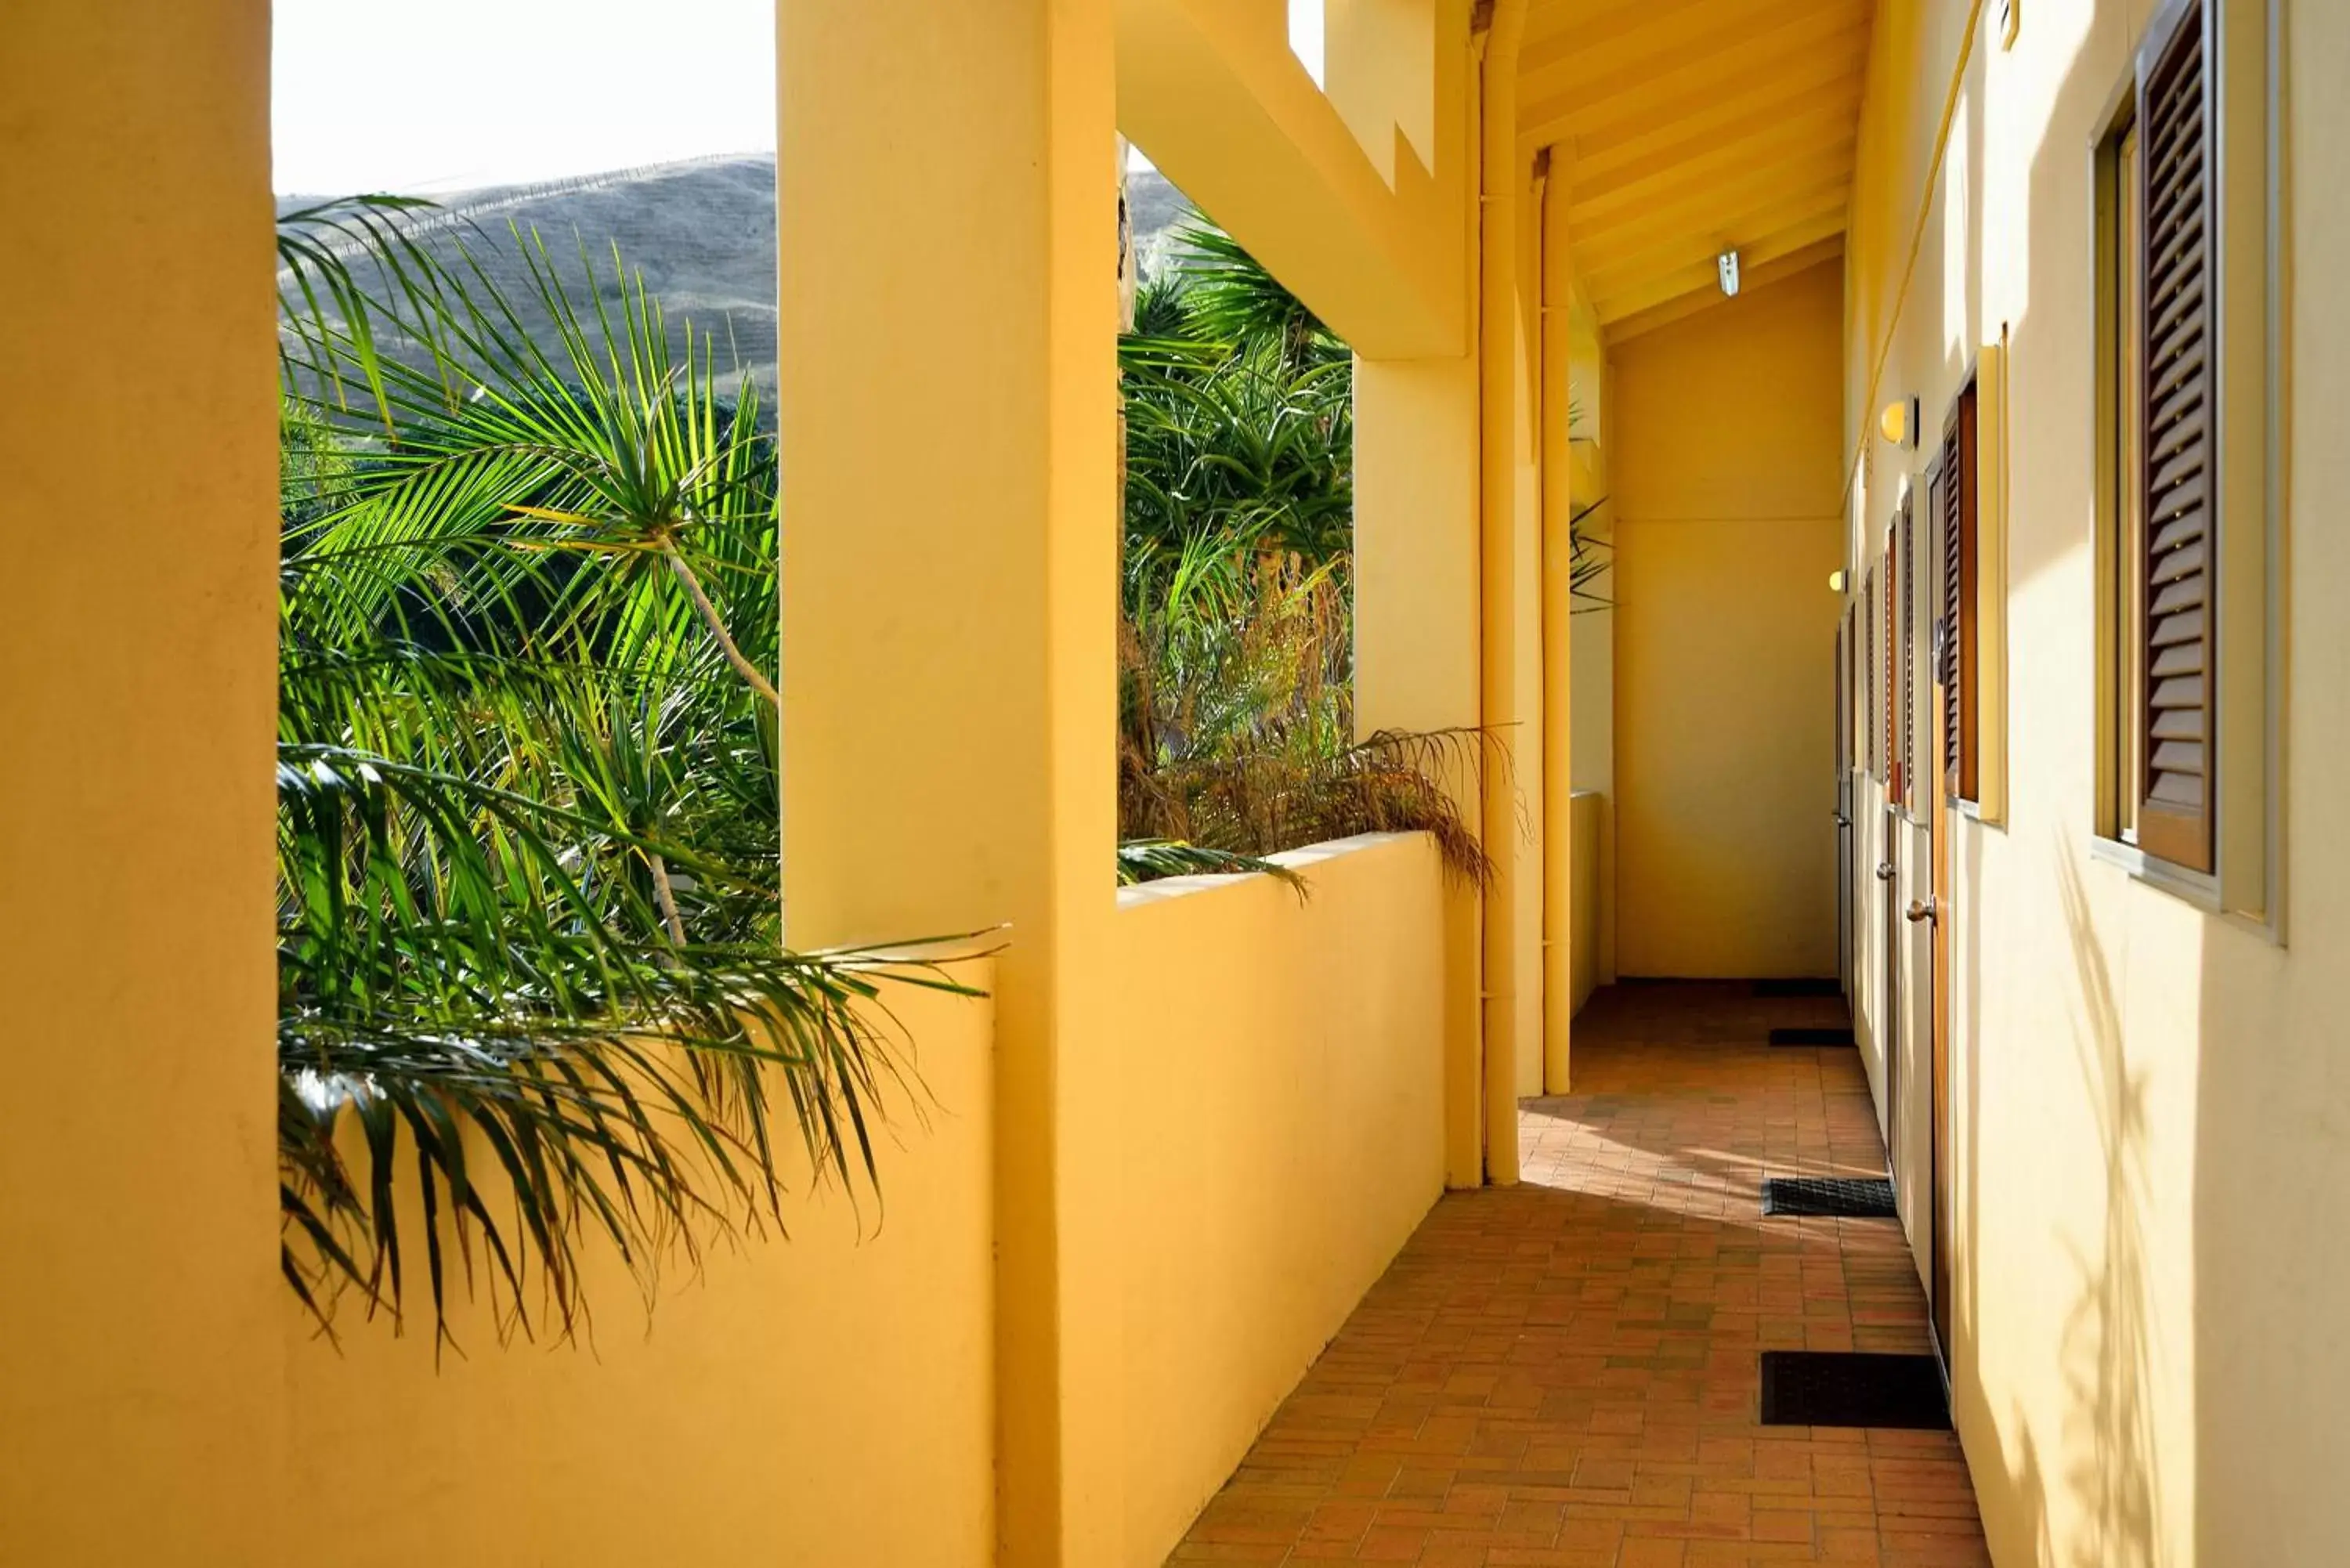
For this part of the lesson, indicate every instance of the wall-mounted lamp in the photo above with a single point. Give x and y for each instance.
(1836, 582)
(1727, 264)
(1899, 422)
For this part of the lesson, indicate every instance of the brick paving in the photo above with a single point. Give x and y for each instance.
(1565, 1373)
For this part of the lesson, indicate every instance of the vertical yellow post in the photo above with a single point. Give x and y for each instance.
(1416, 599)
(1557, 639)
(1415, 644)
(1499, 335)
(1529, 745)
(947, 185)
(141, 1364)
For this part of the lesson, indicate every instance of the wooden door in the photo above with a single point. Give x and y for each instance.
(1889, 848)
(1939, 772)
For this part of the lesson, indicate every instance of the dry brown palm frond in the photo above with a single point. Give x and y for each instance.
(1237, 727)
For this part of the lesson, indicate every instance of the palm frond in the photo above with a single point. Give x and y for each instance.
(1152, 860)
(533, 996)
(1230, 295)
(470, 973)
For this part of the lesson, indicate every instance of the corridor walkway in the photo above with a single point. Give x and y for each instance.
(1565, 1373)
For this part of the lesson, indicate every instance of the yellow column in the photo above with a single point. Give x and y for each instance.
(1557, 641)
(142, 1312)
(947, 186)
(1504, 704)
(1416, 666)
(1416, 586)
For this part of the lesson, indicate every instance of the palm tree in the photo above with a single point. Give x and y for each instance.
(1236, 700)
(530, 960)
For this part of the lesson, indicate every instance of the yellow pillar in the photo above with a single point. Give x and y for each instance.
(1512, 971)
(1416, 667)
(1416, 570)
(947, 186)
(142, 1312)
(1557, 641)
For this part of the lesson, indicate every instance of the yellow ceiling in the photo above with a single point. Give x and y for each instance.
(1679, 128)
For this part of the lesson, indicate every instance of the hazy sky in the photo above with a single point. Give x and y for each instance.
(444, 95)
(429, 96)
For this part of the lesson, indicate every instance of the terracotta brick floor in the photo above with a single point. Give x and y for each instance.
(1564, 1372)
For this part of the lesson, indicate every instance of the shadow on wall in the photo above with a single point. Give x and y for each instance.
(2105, 1353)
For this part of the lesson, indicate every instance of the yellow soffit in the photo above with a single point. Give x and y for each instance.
(1680, 128)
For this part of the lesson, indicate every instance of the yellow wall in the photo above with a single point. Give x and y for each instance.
(2148, 1150)
(950, 605)
(1591, 630)
(824, 1398)
(1282, 1069)
(141, 1417)
(1275, 1076)
(1586, 818)
(1723, 432)
(1351, 196)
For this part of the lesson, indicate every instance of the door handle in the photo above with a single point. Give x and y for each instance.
(1884, 870)
(1925, 909)
(1841, 819)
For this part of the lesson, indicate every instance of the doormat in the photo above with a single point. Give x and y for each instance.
(1845, 1197)
(1798, 988)
(1811, 1037)
(1840, 1388)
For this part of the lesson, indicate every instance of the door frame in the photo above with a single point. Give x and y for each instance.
(1889, 848)
(1847, 936)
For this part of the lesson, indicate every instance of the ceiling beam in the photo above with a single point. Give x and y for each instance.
(1606, 46)
(1631, 107)
(1721, 162)
(1823, 78)
(1728, 26)
(1690, 304)
(1699, 275)
(1754, 221)
(1708, 207)
(1556, 33)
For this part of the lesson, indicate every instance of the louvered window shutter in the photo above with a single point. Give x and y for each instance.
(2178, 717)
(1868, 671)
(1892, 745)
(1955, 641)
(1945, 506)
(1908, 644)
(1966, 650)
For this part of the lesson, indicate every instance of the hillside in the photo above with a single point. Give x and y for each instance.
(703, 234)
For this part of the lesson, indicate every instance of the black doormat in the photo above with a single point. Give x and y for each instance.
(1811, 1037)
(1839, 1388)
(1857, 1198)
(1798, 988)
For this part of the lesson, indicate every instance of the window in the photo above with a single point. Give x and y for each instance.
(2173, 463)
(1888, 701)
(1906, 773)
(2157, 183)
(1869, 674)
(1956, 634)
(2129, 666)
(1844, 680)
(2187, 636)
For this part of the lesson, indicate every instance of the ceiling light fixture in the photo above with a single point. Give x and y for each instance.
(1727, 263)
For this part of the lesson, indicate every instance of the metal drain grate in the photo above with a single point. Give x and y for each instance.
(1797, 988)
(1810, 1037)
(1840, 1388)
(1857, 1198)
